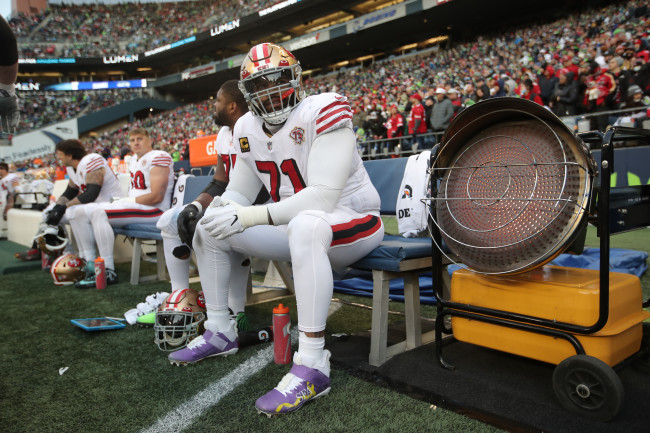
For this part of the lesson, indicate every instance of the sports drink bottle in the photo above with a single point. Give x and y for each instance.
(281, 335)
(249, 338)
(100, 273)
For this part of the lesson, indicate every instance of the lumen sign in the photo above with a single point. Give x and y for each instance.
(121, 59)
(214, 31)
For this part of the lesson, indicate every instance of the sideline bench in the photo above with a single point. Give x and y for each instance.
(396, 257)
(140, 234)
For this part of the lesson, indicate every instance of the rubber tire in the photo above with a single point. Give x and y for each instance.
(603, 388)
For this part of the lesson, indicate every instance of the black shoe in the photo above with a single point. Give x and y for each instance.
(111, 277)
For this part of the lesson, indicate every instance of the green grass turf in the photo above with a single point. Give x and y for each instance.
(8, 262)
(119, 381)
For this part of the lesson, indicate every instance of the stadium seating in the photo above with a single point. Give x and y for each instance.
(396, 257)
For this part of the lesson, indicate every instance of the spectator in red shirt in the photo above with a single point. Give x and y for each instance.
(530, 94)
(394, 127)
(417, 122)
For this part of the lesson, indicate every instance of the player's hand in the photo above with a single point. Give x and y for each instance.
(55, 215)
(9, 114)
(186, 223)
(223, 220)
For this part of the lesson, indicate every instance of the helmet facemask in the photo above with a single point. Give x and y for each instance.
(179, 319)
(271, 82)
(175, 329)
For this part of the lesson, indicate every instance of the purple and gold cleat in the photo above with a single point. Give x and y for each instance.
(205, 346)
(296, 388)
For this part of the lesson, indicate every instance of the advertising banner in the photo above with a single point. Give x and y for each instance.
(38, 143)
(203, 152)
(376, 18)
(307, 40)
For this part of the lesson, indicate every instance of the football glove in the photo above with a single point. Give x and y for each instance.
(9, 114)
(55, 215)
(225, 218)
(187, 220)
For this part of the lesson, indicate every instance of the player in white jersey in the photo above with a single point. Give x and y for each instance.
(8, 184)
(90, 181)
(178, 224)
(325, 213)
(152, 184)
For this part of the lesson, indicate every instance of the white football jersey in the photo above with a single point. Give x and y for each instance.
(225, 148)
(9, 183)
(140, 171)
(89, 163)
(280, 160)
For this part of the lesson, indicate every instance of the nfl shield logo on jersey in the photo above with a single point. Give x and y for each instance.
(297, 134)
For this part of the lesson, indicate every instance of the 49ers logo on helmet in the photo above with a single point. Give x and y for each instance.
(200, 301)
(74, 262)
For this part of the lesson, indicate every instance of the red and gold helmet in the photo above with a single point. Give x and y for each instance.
(179, 319)
(270, 79)
(67, 269)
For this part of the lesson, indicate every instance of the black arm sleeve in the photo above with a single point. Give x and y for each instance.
(9, 47)
(90, 194)
(70, 192)
(215, 188)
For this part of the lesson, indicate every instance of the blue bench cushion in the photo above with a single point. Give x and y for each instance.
(141, 231)
(392, 250)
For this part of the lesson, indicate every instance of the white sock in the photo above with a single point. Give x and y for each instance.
(178, 269)
(311, 353)
(238, 283)
(219, 321)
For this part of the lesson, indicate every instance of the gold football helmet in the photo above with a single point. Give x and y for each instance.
(179, 319)
(270, 79)
(67, 269)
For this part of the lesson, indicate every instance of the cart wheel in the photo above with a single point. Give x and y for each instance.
(588, 387)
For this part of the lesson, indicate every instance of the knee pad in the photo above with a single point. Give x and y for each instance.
(309, 225)
(98, 214)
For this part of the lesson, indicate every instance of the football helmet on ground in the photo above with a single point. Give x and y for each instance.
(67, 269)
(51, 239)
(270, 79)
(179, 319)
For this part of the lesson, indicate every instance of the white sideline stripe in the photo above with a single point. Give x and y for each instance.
(183, 415)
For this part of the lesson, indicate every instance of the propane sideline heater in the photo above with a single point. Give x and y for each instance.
(516, 183)
(511, 188)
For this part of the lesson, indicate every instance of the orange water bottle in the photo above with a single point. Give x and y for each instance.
(281, 335)
(100, 273)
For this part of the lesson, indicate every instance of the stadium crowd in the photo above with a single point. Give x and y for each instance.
(95, 30)
(41, 108)
(592, 62)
